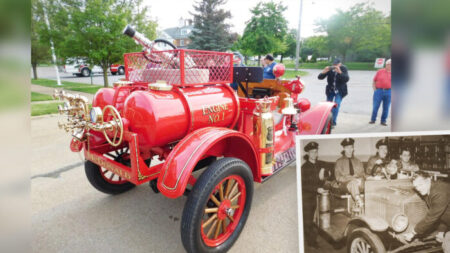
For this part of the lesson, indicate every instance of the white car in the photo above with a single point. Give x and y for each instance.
(79, 67)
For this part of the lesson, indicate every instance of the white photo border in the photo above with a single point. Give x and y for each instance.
(298, 153)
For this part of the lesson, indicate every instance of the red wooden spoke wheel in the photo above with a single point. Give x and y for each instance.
(220, 221)
(217, 207)
(111, 177)
(105, 180)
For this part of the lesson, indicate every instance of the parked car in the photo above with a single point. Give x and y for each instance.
(80, 67)
(117, 69)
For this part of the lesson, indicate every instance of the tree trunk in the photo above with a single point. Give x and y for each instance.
(281, 59)
(344, 55)
(259, 60)
(105, 76)
(245, 59)
(34, 66)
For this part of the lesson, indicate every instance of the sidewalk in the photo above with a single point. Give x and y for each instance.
(50, 91)
(357, 123)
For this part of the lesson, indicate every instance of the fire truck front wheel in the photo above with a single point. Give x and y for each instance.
(104, 180)
(217, 207)
(362, 240)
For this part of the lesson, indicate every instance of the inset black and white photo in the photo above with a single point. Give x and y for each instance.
(374, 193)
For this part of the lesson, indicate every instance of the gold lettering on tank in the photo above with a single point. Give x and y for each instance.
(215, 112)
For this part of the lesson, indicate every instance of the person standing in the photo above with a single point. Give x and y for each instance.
(336, 89)
(437, 199)
(349, 172)
(314, 173)
(269, 63)
(382, 93)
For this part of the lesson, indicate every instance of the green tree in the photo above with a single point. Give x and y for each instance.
(290, 41)
(40, 50)
(211, 32)
(93, 29)
(266, 30)
(358, 30)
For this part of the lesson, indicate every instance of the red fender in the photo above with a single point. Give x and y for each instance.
(313, 120)
(204, 142)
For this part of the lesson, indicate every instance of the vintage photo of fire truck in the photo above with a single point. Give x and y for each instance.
(366, 193)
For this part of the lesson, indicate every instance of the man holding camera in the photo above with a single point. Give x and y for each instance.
(336, 89)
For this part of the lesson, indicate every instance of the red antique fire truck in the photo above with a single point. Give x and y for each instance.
(175, 113)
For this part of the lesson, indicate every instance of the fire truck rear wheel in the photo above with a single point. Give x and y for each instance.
(94, 175)
(217, 207)
(362, 240)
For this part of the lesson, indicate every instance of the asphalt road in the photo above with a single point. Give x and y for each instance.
(68, 215)
(97, 79)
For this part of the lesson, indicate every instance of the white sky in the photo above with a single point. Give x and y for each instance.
(168, 12)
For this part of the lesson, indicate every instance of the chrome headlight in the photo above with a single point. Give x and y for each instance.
(399, 223)
(96, 114)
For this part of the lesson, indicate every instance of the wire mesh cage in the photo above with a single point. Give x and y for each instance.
(181, 67)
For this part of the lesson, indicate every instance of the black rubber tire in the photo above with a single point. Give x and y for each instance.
(85, 72)
(113, 73)
(92, 171)
(193, 209)
(121, 71)
(372, 239)
(328, 124)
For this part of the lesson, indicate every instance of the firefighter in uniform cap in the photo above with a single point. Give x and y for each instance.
(376, 163)
(349, 172)
(314, 174)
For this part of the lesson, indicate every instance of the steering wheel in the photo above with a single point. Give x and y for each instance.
(113, 115)
(159, 44)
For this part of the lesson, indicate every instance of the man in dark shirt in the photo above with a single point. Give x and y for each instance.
(336, 89)
(314, 173)
(437, 197)
(376, 163)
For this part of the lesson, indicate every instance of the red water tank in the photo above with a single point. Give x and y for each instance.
(161, 117)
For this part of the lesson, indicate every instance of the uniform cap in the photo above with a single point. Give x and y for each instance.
(381, 143)
(310, 146)
(347, 141)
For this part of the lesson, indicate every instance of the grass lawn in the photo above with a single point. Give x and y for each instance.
(44, 108)
(40, 97)
(321, 65)
(81, 87)
(290, 74)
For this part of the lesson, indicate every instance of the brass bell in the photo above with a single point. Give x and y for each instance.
(289, 108)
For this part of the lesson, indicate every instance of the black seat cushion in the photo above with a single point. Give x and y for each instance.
(248, 74)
